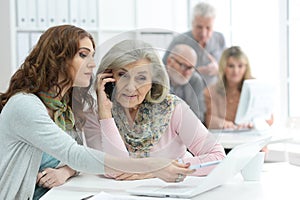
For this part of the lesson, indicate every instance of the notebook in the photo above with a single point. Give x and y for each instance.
(236, 159)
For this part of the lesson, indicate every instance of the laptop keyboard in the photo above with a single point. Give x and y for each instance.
(176, 188)
(242, 130)
(230, 130)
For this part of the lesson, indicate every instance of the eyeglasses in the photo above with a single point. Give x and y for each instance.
(183, 66)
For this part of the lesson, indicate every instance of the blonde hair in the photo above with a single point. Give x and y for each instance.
(237, 53)
(129, 51)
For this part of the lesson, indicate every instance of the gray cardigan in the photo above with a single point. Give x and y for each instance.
(192, 94)
(26, 130)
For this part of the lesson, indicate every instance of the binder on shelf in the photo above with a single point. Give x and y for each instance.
(168, 39)
(83, 14)
(42, 14)
(92, 19)
(156, 38)
(34, 37)
(22, 13)
(107, 10)
(51, 7)
(32, 13)
(23, 47)
(146, 8)
(62, 7)
(74, 12)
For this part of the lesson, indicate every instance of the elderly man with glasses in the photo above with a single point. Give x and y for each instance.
(184, 81)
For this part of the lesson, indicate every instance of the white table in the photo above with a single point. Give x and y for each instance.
(278, 181)
(230, 140)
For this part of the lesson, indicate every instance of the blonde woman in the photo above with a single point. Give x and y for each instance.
(222, 98)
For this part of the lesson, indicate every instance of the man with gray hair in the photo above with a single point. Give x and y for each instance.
(207, 43)
(184, 81)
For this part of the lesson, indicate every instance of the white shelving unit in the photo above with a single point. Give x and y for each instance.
(33, 17)
(23, 21)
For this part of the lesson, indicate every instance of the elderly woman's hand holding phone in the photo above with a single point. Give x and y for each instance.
(104, 100)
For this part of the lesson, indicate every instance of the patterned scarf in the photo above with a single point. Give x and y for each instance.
(62, 112)
(152, 120)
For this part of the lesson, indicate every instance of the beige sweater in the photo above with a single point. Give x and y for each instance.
(219, 107)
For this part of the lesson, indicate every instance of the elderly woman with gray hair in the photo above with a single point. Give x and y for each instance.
(151, 121)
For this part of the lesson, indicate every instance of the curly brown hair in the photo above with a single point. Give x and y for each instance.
(50, 58)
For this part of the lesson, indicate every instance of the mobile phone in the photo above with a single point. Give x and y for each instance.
(109, 88)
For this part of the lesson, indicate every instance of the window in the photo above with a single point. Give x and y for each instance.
(255, 26)
(293, 28)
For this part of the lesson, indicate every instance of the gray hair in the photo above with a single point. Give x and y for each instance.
(129, 51)
(204, 9)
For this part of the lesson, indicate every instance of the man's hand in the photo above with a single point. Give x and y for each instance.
(211, 69)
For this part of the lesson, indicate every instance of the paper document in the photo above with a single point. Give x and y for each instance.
(109, 196)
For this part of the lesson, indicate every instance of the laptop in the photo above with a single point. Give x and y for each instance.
(255, 105)
(235, 161)
(232, 130)
(260, 128)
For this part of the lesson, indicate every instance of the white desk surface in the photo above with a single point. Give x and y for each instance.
(230, 140)
(278, 181)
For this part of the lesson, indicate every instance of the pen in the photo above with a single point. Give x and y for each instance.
(205, 164)
(88, 197)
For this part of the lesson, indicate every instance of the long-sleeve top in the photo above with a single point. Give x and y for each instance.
(221, 107)
(185, 131)
(26, 131)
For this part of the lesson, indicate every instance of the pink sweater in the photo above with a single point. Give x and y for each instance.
(185, 131)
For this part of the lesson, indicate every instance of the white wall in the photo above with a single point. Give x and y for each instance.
(257, 26)
(294, 61)
(7, 42)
